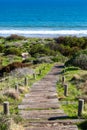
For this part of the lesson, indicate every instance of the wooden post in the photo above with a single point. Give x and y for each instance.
(80, 107)
(6, 108)
(65, 90)
(34, 76)
(16, 87)
(63, 79)
(26, 81)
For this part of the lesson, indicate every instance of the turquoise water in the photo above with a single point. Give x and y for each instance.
(43, 18)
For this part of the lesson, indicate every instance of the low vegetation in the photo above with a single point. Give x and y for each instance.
(21, 57)
(9, 93)
(7, 123)
(79, 59)
(83, 125)
(56, 49)
(76, 79)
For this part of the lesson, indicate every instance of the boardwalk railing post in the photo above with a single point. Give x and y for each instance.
(80, 107)
(6, 108)
(63, 79)
(16, 87)
(26, 81)
(65, 90)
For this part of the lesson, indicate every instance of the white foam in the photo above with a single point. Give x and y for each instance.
(44, 32)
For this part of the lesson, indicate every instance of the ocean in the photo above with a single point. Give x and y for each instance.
(47, 18)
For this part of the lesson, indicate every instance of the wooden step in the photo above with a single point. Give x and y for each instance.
(45, 94)
(67, 127)
(39, 100)
(42, 114)
(40, 105)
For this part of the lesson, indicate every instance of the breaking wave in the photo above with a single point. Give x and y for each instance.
(44, 32)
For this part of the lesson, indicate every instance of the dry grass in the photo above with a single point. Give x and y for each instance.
(80, 80)
(9, 124)
(76, 77)
(83, 87)
(12, 93)
(23, 90)
(15, 126)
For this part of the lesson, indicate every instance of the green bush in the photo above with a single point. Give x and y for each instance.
(43, 60)
(78, 60)
(13, 51)
(2, 48)
(4, 123)
(15, 37)
(70, 45)
(38, 49)
(31, 59)
(59, 58)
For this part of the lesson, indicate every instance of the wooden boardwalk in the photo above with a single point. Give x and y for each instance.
(41, 107)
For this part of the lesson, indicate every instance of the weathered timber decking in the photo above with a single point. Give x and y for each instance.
(41, 107)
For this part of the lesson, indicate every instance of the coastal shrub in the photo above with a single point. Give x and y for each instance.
(50, 52)
(38, 49)
(43, 60)
(10, 59)
(15, 37)
(59, 58)
(43, 47)
(13, 66)
(22, 72)
(70, 45)
(4, 123)
(2, 48)
(12, 94)
(13, 51)
(78, 60)
(15, 58)
(28, 60)
(72, 41)
(67, 50)
(1, 37)
(1, 61)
